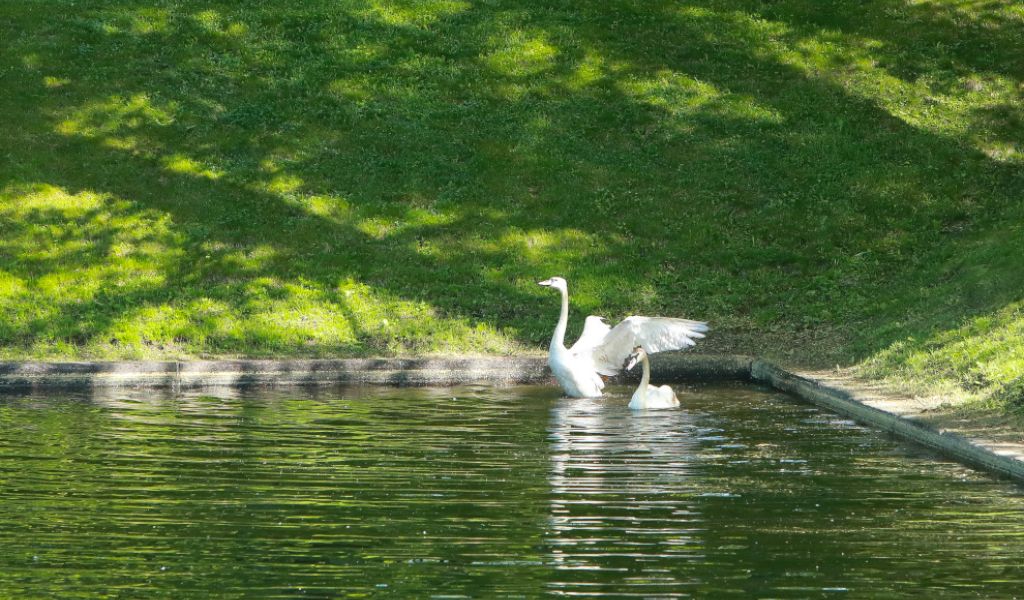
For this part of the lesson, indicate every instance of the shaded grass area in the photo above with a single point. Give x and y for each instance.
(826, 182)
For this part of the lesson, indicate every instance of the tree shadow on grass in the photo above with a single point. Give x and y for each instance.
(969, 53)
(359, 163)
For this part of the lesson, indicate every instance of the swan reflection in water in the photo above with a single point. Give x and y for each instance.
(623, 487)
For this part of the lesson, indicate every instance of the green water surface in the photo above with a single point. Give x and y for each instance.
(486, 493)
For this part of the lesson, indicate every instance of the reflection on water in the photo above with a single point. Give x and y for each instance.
(481, 492)
(622, 497)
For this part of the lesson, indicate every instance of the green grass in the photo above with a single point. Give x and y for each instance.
(825, 181)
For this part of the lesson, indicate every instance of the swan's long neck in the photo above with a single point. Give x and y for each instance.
(646, 379)
(558, 339)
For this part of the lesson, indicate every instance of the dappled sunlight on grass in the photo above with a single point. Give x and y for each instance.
(353, 90)
(978, 361)
(521, 53)
(55, 82)
(937, 349)
(590, 70)
(925, 103)
(104, 277)
(330, 208)
(51, 227)
(685, 99)
(413, 13)
(951, 99)
(76, 258)
(984, 14)
(543, 245)
(212, 22)
(362, 177)
(412, 221)
(117, 114)
(141, 21)
(283, 184)
(180, 163)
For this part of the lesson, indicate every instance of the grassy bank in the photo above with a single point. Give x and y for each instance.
(826, 182)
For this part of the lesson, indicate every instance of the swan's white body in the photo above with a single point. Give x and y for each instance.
(602, 350)
(647, 396)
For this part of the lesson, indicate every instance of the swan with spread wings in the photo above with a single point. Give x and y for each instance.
(602, 350)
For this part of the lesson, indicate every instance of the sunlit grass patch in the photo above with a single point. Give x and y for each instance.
(179, 163)
(116, 114)
(521, 53)
(92, 275)
(981, 360)
(683, 99)
(412, 13)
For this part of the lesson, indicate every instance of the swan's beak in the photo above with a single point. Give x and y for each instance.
(631, 361)
(545, 283)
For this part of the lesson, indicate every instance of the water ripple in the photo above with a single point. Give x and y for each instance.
(478, 492)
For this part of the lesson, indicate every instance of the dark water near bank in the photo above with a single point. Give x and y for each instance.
(478, 492)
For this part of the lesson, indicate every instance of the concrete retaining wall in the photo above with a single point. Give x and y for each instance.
(385, 371)
(960, 448)
(218, 373)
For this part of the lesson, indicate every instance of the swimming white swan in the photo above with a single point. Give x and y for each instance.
(602, 350)
(648, 396)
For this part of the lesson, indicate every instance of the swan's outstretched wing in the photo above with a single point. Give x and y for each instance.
(594, 330)
(655, 334)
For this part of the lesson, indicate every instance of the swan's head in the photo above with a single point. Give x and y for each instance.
(555, 282)
(637, 355)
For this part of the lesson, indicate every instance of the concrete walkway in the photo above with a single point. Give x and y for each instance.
(872, 404)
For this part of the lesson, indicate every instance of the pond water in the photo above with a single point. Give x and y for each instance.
(484, 492)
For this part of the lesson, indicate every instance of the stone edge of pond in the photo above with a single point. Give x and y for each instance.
(972, 452)
(381, 371)
(440, 371)
(269, 373)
